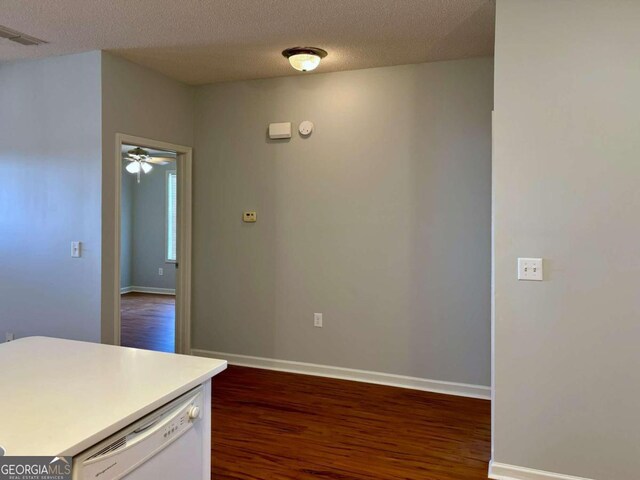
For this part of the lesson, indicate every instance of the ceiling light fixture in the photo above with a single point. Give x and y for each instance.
(138, 162)
(142, 161)
(304, 59)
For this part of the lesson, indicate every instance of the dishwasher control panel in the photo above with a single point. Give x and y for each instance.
(187, 416)
(125, 451)
(176, 426)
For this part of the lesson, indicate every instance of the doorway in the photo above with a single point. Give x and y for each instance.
(152, 310)
(148, 233)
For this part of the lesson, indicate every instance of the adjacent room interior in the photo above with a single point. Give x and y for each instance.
(300, 239)
(148, 254)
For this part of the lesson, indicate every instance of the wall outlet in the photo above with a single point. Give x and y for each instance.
(161, 271)
(530, 269)
(317, 320)
(9, 337)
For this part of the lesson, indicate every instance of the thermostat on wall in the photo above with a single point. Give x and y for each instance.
(280, 130)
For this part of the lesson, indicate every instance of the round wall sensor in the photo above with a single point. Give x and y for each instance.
(306, 128)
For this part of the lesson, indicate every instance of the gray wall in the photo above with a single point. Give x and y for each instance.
(380, 220)
(50, 160)
(135, 101)
(565, 175)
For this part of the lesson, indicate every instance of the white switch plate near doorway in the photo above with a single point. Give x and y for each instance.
(530, 269)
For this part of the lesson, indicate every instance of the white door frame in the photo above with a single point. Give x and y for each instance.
(183, 274)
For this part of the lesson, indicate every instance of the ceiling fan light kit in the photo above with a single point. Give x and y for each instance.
(133, 167)
(304, 59)
(139, 162)
(146, 168)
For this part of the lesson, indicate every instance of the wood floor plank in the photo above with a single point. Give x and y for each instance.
(148, 321)
(276, 425)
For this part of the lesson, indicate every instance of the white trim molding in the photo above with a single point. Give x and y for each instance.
(502, 471)
(415, 383)
(157, 291)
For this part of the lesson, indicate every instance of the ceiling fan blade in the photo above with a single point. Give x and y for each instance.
(158, 160)
(163, 154)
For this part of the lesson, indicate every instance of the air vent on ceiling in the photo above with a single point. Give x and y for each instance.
(21, 38)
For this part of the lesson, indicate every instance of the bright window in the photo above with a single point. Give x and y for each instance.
(172, 200)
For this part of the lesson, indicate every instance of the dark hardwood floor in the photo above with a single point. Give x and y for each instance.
(275, 425)
(148, 321)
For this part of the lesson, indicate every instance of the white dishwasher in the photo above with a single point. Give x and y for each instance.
(166, 444)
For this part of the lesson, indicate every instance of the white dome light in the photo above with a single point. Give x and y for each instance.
(304, 59)
(304, 62)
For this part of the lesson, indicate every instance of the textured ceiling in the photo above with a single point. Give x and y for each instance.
(205, 41)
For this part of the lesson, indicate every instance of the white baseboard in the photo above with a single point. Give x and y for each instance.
(436, 386)
(502, 471)
(158, 291)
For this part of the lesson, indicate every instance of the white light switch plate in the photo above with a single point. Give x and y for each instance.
(317, 320)
(530, 269)
(76, 249)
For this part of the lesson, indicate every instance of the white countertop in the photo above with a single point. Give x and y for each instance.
(60, 397)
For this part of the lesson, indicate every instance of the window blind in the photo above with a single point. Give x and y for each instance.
(172, 201)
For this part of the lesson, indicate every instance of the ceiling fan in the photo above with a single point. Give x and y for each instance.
(141, 161)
